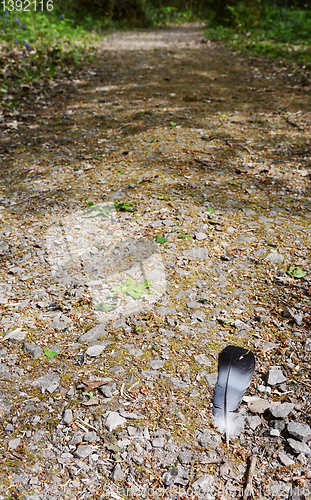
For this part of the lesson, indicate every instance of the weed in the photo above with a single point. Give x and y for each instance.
(125, 206)
(272, 32)
(39, 46)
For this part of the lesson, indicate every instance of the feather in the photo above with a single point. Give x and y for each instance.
(236, 366)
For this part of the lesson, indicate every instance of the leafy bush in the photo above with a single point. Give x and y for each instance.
(40, 45)
(167, 15)
(280, 24)
(275, 33)
(287, 25)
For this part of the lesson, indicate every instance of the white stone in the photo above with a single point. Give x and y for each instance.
(84, 450)
(114, 420)
(14, 443)
(47, 383)
(275, 257)
(16, 334)
(204, 484)
(202, 359)
(285, 460)
(200, 236)
(158, 442)
(95, 350)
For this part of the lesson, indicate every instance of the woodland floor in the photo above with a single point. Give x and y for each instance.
(213, 150)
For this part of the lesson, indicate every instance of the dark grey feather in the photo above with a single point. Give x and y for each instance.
(235, 370)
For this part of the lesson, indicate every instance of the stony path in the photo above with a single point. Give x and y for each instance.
(155, 208)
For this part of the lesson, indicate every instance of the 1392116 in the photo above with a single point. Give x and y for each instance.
(27, 5)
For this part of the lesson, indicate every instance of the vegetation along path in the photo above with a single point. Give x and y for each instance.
(155, 208)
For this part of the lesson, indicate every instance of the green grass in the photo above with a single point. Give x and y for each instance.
(276, 34)
(39, 46)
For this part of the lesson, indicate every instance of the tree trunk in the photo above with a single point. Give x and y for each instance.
(221, 10)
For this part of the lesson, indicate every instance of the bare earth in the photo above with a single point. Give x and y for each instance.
(198, 165)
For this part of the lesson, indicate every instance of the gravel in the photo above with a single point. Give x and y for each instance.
(275, 377)
(106, 380)
(114, 420)
(299, 431)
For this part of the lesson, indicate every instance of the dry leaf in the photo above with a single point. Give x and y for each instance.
(93, 384)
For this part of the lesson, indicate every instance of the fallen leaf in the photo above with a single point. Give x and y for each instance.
(161, 239)
(93, 384)
(295, 272)
(50, 354)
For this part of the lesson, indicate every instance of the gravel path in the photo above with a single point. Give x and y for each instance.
(155, 208)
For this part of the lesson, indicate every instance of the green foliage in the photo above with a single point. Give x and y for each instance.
(118, 13)
(286, 25)
(89, 394)
(295, 272)
(125, 206)
(161, 239)
(168, 14)
(228, 320)
(94, 210)
(182, 235)
(104, 307)
(38, 46)
(129, 287)
(272, 31)
(50, 354)
(125, 13)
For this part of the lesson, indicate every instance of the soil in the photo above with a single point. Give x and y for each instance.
(162, 193)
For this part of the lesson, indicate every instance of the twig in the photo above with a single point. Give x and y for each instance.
(200, 151)
(248, 487)
(304, 383)
(88, 425)
(293, 124)
(215, 461)
(41, 195)
(34, 196)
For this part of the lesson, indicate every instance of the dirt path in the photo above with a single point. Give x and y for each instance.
(162, 194)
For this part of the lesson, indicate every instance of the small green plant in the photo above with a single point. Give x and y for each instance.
(228, 320)
(295, 272)
(181, 234)
(161, 239)
(94, 210)
(104, 307)
(51, 70)
(50, 354)
(129, 287)
(125, 206)
(89, 394)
